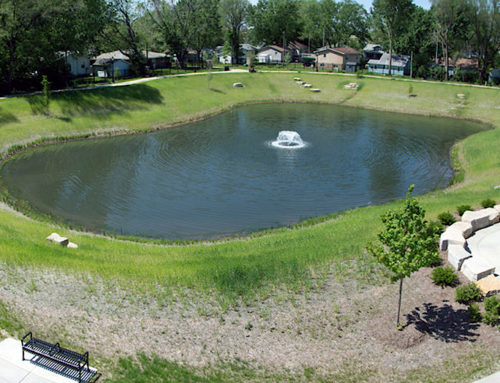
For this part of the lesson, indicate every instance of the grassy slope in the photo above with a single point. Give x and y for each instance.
(235, 267)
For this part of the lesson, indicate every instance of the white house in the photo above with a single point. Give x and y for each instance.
(78, 65)
(271, 54)
(117, 63)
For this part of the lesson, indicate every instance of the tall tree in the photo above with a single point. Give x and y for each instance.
(274, 19)
(485, 23)
(233, 14)
(445, 13)
(125, 36)
(17, 19)
(406, 244)
(390, 18)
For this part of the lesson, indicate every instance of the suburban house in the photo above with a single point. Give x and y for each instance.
(118, 64)
(345, 58)
(78, 65)
(272, 54)
(245, 50)
(372, 51)
(297, 50)
(400, 64)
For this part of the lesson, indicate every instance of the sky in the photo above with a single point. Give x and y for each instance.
(426, 4)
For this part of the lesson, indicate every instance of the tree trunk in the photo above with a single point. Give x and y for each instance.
(390, 59)
(10, 77)
(447, 64)
(399, 300)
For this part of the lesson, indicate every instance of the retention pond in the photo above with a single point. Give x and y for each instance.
(224, 176)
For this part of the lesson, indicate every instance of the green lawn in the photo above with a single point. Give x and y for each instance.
(250, 266)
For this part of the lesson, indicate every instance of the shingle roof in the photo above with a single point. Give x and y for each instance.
(342, 51)
(397, 60)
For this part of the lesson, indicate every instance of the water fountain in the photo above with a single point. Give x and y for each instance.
(288, 139)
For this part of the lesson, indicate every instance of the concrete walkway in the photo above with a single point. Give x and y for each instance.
(495, 378)
(485, 244)
(34, 369)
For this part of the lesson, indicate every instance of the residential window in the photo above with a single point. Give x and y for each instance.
(324, 54)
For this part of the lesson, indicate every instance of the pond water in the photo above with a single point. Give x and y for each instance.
(223, 175)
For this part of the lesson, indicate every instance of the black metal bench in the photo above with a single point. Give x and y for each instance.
(58, 354)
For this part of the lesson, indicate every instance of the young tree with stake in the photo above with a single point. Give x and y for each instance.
(406, 244)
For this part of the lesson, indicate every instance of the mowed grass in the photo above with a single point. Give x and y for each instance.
(250, 267)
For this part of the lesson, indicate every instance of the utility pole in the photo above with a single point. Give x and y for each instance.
(283, 55)
(411, 64)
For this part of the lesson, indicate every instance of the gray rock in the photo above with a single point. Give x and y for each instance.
(451, 237)
(315, 90)
(481, 218)
(464, 227)
(457, 255)
(475, 269)
(56, 238)
(237, 85)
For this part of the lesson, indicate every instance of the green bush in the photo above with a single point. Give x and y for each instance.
(446, 218)
(435, 227)
(490, 318)
(488, 202)
(463, 208)
(468, 293)
(492, 304)
(474, 313)
(444, 276)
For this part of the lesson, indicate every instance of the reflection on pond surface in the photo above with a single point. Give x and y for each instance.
(221, 176)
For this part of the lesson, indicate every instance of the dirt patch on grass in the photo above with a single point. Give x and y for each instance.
(344, 323)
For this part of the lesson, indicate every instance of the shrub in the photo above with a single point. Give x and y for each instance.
(488, 202)
(436, 227)
(474, 313)
(490, 318)
(492, 304)
(444, 276)
(463, 208)
(446, 218)
(468, 293)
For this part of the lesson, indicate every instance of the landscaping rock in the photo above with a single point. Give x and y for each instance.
(237, 85)
(489, 285)
(497, 208)
(457, 255)
(301, 82)
(297, 79)
(481, 218)
(351, 85)
(315, 90)
(461, 95)
(451, 237)
(56, 238)
(475, 269)
(72, 245)
(307, 85)
(464, 227)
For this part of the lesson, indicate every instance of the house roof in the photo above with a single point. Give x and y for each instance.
(247, 47)
(298, 45)
(274, 47)
(118, 55)
(372, 48)
(342, 51)
(397, 60)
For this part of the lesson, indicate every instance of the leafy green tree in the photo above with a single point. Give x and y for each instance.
(274, 19)
(484, 17)
(233, 14)
(406, 244)
(446, 14)
(390, 17)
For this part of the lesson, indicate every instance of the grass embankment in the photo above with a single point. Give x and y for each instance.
(241, 267)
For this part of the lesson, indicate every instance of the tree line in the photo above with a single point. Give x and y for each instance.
(35, 35)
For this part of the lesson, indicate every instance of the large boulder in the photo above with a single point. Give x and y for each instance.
(481, 218)
(237, 85)
(475, 269)
(457, 255)
(464, 227)
(451, 237)
(497, 208)
(56, 238)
